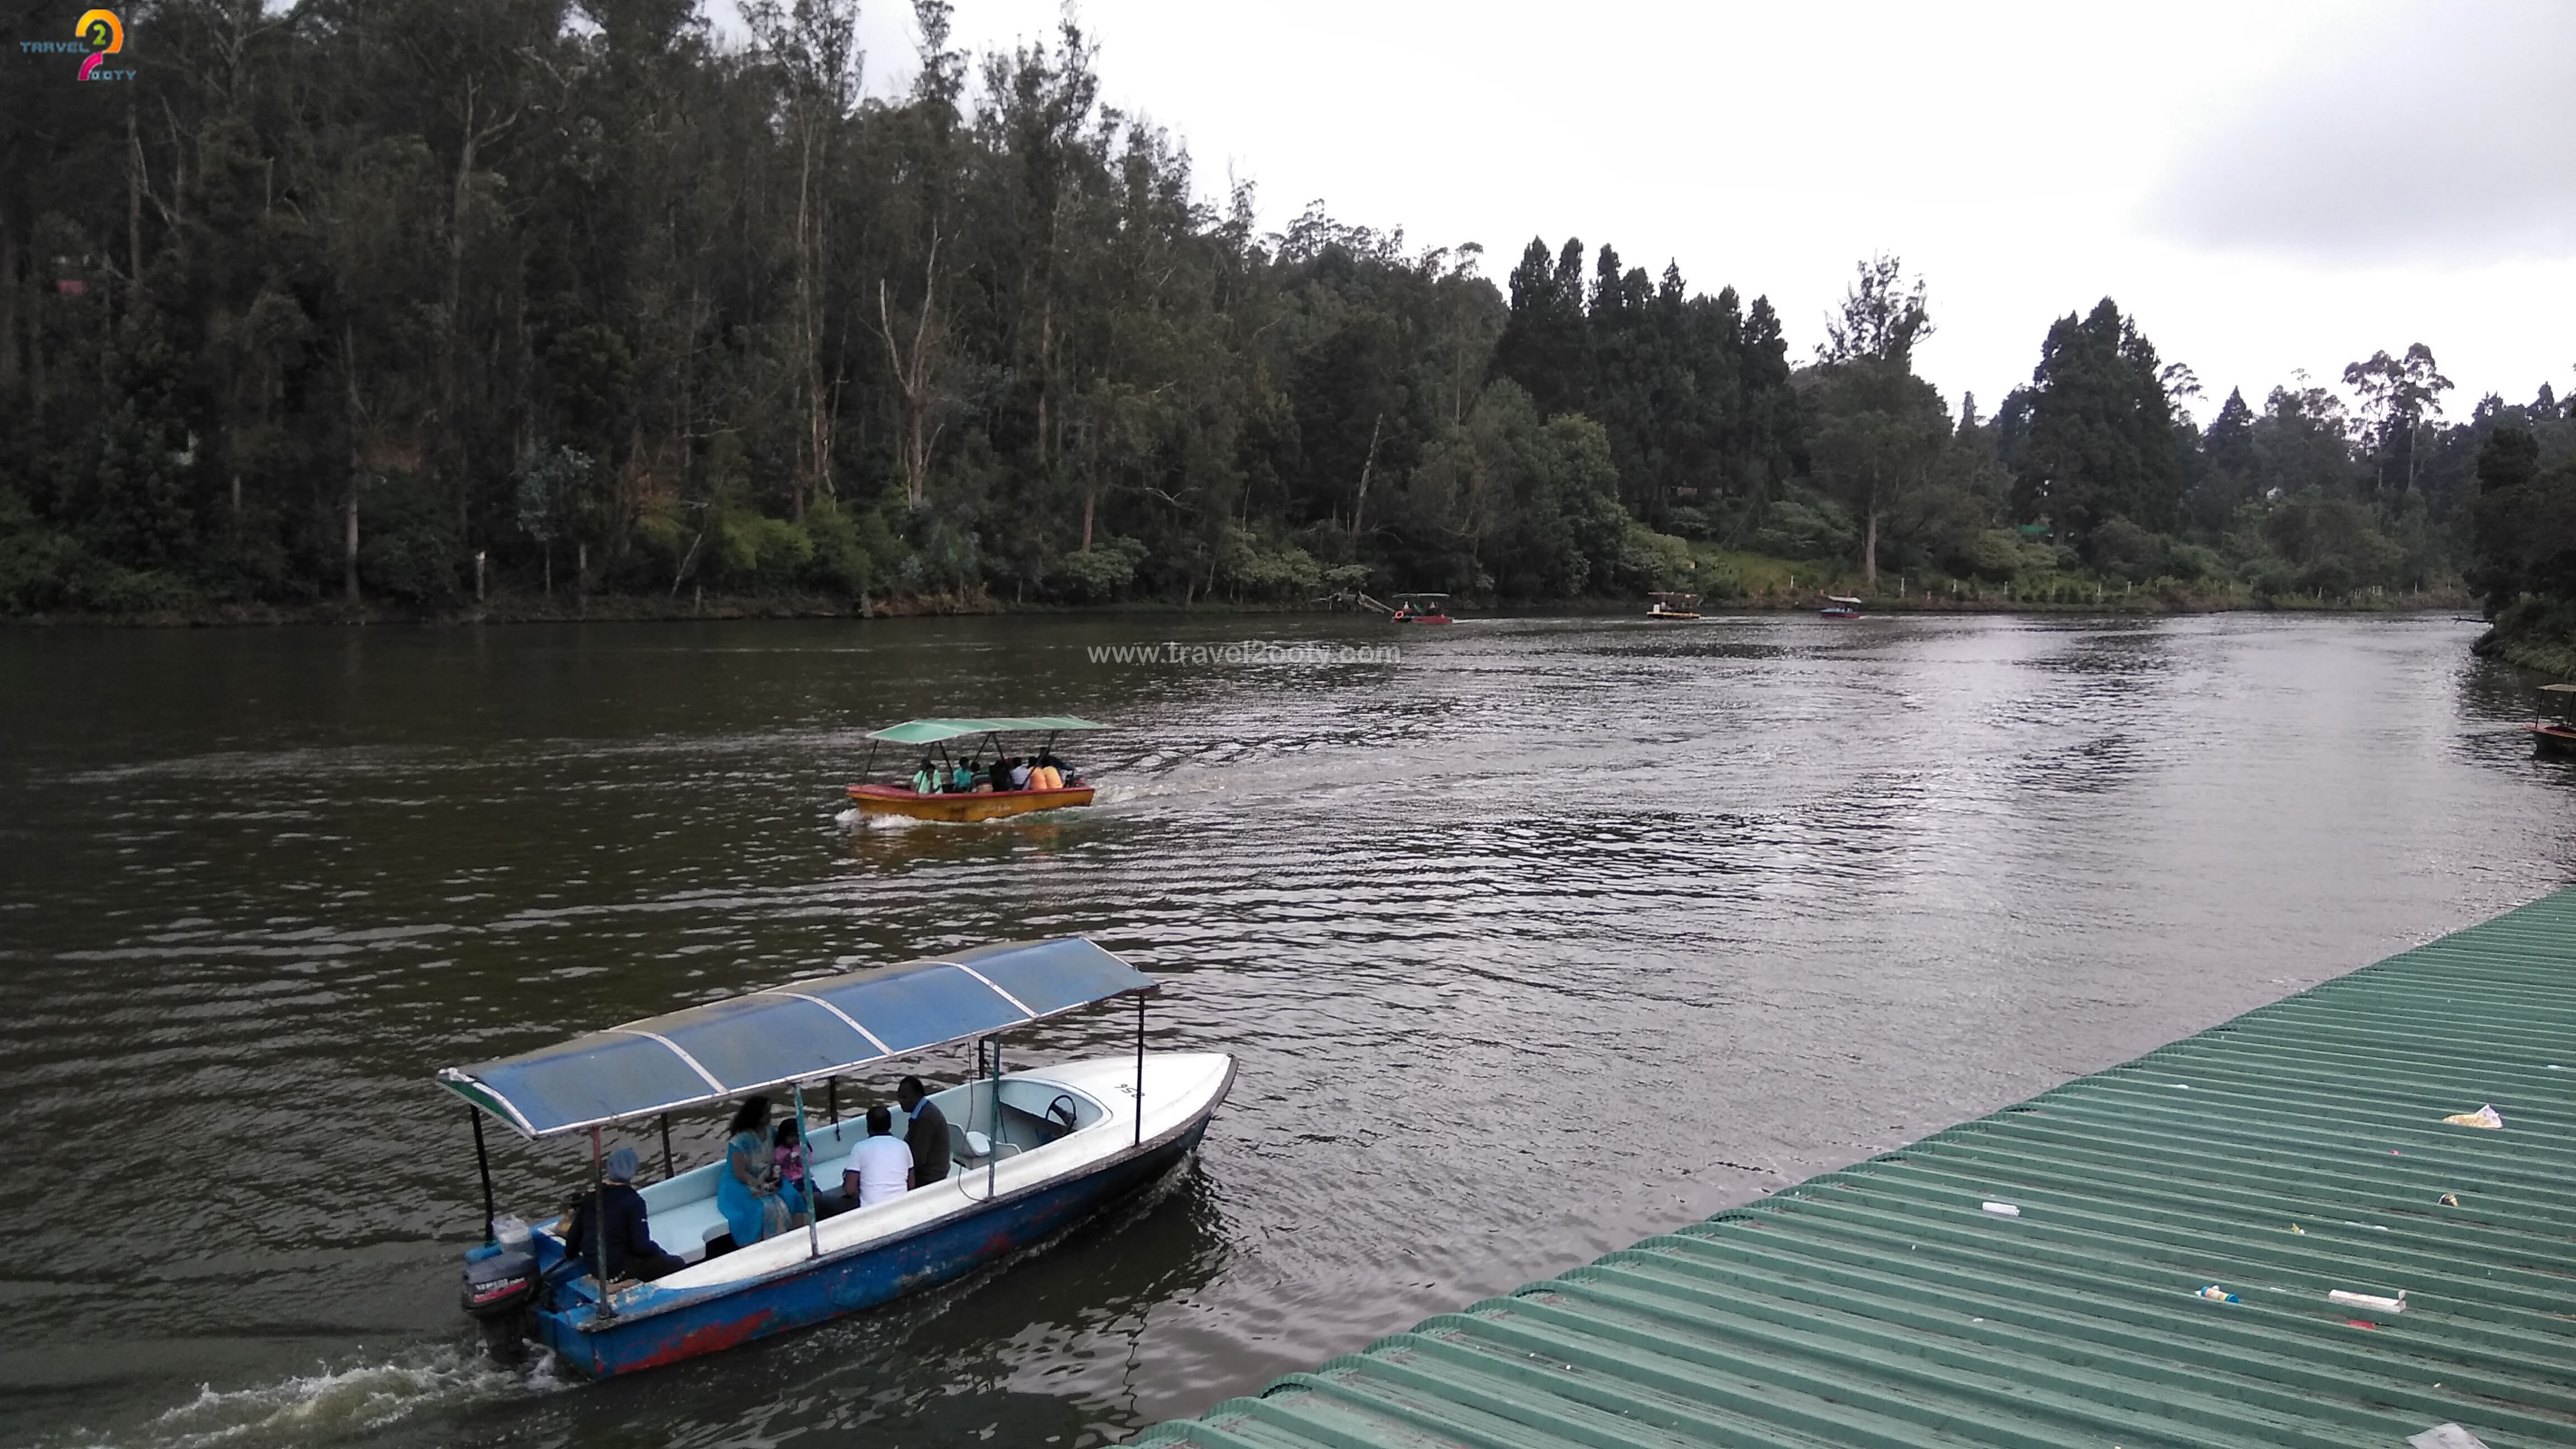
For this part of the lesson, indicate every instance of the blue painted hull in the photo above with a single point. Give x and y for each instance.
(826, 1288)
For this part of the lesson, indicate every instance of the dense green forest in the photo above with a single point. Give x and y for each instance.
(389, 302)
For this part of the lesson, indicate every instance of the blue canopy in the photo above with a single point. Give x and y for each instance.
(818, 1027)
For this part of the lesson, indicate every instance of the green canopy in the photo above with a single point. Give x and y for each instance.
(932, 731)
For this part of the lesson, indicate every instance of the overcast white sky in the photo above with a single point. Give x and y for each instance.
(2265, 187)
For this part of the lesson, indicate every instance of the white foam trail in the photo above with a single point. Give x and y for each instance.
(339, 1402)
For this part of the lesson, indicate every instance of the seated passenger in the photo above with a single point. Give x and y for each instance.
(928, 1134)
(925, 781)
(754, 1202)
(787, 1155)
(628, 1242)
(1071, 775)
(1019, 773)
(880, 1168)
(961, 781)
(1001, 773)
(1046, 776)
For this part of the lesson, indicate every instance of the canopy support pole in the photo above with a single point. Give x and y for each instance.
(832, 1094)
(599, 1231)
(993, 1149)
(1140, 1069)
(483, 1168)
(869, 770)
(666, 1147)
(805, 1160)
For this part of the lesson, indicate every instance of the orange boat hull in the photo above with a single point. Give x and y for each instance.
(961, 809)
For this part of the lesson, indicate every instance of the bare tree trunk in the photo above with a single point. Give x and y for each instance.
(1367, 465)
(809, 316)
(8, 300)
(357, 419)
(913, 377)
(1869, 550)
(133, 205)
(1047, 334)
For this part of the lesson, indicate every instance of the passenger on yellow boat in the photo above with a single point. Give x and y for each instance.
(1019, 773)
(1045, 776)
(1001, 773)
(961, 780)
(925, 781)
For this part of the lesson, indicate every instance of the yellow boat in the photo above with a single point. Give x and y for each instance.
(1672, 606)
(982, 802)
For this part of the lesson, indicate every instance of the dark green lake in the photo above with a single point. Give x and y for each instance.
(1551, 934)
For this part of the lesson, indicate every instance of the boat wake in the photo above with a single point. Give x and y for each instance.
(351, 1403)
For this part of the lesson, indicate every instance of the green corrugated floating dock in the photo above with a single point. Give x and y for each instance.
(1885, 1305)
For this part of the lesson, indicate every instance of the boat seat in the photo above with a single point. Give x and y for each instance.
(683, 1231)
(961, 1148)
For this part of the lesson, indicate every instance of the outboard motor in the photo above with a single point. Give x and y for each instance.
(500, 1292)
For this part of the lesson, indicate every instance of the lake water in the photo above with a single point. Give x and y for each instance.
(1548, 935)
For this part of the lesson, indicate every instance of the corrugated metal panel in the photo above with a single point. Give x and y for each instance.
(2294, 1151)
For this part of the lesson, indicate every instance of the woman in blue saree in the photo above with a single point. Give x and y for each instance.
(754, 1203)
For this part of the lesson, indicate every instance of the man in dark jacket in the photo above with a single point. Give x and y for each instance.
(632, 1252)
(928, 1134)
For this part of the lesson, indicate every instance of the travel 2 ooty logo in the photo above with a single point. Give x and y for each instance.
(101, 35)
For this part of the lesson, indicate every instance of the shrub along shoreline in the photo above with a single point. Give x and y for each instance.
(1769, 586)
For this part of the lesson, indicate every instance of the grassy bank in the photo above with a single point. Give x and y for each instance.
(2534, 633)
(1760, 581)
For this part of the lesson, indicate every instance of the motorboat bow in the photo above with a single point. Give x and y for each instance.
(1033, 1151)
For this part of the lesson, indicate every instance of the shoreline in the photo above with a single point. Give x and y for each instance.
(632, 609)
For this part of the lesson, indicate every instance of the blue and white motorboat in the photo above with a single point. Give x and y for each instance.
(1034, 1151)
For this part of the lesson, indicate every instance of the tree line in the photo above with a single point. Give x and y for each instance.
(406, 300)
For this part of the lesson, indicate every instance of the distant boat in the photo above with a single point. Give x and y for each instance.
(1840, 606)
(1673, 606)
(1420, 609)
(980, 803)
(2553, 737)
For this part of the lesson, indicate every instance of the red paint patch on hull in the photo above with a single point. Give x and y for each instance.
(714, 1338)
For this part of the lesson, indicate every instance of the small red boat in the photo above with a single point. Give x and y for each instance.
(1420, 609)
(2553, 737)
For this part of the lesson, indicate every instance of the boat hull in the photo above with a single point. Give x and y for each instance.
(832, 1287)
(2549, 739)
(962, 809)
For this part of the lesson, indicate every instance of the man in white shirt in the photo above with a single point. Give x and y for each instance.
(880, 1167)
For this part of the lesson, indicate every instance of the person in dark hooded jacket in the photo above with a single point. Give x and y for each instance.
(632, 1253)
